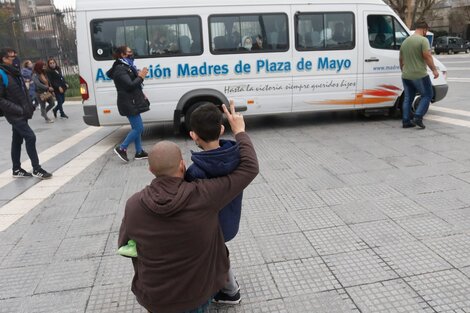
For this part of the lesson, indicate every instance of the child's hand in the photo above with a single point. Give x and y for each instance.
(237, 123)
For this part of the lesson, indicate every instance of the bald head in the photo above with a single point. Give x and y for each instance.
(165, 159)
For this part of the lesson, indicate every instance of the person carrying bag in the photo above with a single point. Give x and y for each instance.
(43, 90)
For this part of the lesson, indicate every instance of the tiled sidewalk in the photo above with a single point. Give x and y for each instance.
(345, 216)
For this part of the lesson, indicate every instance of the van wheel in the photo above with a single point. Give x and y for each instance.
(438, 53)
(189, 111)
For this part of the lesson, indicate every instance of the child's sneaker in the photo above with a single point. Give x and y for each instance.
(224, 298)
(129, 250)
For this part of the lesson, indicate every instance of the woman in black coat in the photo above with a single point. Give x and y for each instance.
(57, 80)
(131, 101)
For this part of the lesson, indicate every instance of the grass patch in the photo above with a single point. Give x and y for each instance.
(74, 86)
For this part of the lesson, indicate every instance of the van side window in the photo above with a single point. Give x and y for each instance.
(248, 33)
(385, 32)
(324, 31)
(148, 37)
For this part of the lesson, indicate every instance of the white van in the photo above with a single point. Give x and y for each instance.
(267, 55)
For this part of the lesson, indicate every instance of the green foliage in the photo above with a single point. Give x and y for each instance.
(74, 86)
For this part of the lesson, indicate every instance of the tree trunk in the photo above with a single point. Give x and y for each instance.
(410, 10)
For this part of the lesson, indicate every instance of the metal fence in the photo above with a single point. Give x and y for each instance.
(44, 35)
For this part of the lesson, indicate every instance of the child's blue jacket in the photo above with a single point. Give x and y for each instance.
(215, 163)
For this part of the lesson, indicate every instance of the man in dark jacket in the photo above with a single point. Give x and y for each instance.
(17, 107)
(219, 158)
(182, 261)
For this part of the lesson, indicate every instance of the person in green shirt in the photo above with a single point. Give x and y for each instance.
(415, 55)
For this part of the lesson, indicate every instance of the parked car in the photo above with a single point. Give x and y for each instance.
(450, 45)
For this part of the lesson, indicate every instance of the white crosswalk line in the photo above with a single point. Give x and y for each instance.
(15, 209)
(449, 110)
(6, 176)
(447, 120)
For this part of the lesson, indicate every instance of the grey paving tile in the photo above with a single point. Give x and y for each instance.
(272, 224)
(100, 193)
(68, 275)
(466, 271)
(324, 181)
(358, 267)
(381, 233)
(271, 306)
(285, 247)
(322, 302)
(263, 205)
(19, 281)
(256, 284)
(302, 276)
(278, 175)
(301, 200)
(399, 207)
(81, 247)
(465, 176)
(113, 299)
(426, 226)
(13, 305)
(388, 296)
(287, 187)
(47, 230)
(64, 302)
(244, 251)
(439, 201)
(454, 249)
(99, 208)
(115, 270)
(90, 226)
(335, 240)
(316, 218)
(56, 213)
(343, 167)
(411, 258)
(28, 252)
(402, 161)
(359, 212)
(358, 179)
(445, 291)
(14, 233)
(459, 218)
(112, 244)
(351, 194)
(257, 191)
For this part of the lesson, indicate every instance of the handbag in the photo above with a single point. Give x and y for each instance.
(46, 95)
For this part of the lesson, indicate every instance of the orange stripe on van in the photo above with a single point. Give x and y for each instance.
(368, 96)
(107, 111)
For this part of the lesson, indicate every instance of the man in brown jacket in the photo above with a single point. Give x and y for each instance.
(182, 260)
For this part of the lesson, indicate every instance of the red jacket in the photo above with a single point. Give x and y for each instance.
(182, 261)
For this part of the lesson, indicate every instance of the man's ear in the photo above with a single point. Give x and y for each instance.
(222, 130)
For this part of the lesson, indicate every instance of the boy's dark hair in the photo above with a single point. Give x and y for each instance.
(4, 52)
(206, 121)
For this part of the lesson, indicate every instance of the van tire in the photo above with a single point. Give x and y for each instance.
(189, 111)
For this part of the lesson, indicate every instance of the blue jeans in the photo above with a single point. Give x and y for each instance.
(135, 134)
(424, 87)
(22, 131)
(60, 97)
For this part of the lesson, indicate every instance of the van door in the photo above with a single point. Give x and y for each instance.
(325, 58)
(383, 35)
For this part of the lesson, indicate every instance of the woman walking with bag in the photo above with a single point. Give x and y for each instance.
(131, 100)
(43, 90)
(57, 81)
